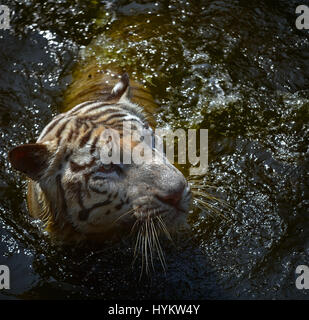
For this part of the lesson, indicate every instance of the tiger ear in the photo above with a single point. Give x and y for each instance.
(30, 159)
(121, 89)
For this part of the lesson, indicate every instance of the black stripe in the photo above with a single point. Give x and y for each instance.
(119, 206)
(67, 157)
(79, 195)
(99, 178)
(115, 115)
(131, 111)
(85, 138)
(61, 128)
(114, 124)
(63, 203)
(84, 214)
(93, 145)
(51, 126)
(97, 191)
(103, 104)
(82, 105)
(118, 125)
(134, 120)
(107, 111)
(69, 138)
(97, 116)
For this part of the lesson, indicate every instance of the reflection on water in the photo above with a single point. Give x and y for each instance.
(241, 70)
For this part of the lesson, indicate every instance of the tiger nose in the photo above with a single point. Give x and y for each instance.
(172, 198)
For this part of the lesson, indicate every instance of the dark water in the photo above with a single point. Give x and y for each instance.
(238, 68)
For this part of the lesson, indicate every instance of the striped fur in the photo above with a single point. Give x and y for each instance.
(80, 198)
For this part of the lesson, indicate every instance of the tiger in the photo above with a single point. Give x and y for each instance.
(80, 198)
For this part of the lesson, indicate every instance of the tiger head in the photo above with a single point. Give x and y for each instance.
(79, 195)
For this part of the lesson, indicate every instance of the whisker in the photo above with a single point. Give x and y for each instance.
(197, 181)
(142, 251)
(146, 245)
(152, 244)
(199, 186)
(147, 241)
(211, 197)
(220, 202)
(208, 205)
(151, 241)
(163, 227)
(206, 195)
(124, 214)
(134, 225)
(138, 239)
(193, 179)
(211, 208)
(159, 248)
(211, 211)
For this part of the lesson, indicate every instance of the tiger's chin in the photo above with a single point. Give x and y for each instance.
(170, 221)
(156, 223)
(167, 222)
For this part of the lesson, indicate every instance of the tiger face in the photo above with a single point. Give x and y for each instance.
(79, 195)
